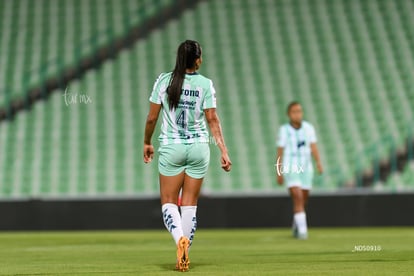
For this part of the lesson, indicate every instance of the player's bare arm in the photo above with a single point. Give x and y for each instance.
(151, 122)
(213, 121)
(316, 157)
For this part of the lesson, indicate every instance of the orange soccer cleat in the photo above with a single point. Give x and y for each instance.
(183, 261)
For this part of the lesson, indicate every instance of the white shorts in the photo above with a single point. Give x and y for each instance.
(302, 180)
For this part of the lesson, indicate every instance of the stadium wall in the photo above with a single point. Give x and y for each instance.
(343, 210)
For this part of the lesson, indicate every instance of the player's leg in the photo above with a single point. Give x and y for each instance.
(297, 199)
(299, 215)
(189, 200)
(306, 186)
(306, 179)
(305, 196)
(171, 167)
(169, 189)
(198, 157)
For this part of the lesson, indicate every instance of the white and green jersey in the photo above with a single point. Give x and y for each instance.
(185, 124)
(296, 147)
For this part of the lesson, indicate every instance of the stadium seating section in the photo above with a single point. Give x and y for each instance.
(41, 37)
(400, 181)
(349, 63)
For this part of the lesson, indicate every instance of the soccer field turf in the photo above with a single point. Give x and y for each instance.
(215, 252)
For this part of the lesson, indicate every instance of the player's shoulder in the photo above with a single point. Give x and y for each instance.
(308, 127)
(307, 124)
(203, 80)
(163, 76)
(202, 77)
(162, 81)
(284, 127)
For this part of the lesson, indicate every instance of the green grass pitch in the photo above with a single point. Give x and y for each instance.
(351, 251)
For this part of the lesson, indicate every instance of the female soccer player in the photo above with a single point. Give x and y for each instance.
(296, 143)
(186, 99)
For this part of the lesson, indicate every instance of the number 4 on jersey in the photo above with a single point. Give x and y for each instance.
(181, 120)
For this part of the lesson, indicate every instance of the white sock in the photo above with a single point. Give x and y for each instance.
(300, 220)
(172, 220)
(189, 221)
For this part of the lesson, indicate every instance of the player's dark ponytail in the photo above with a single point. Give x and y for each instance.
(187, 53)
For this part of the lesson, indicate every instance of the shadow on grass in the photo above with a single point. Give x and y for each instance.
(171, 267)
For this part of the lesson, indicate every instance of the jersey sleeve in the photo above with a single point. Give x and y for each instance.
(281, 138)
(210, 97)
(312, 135)
(155, 94)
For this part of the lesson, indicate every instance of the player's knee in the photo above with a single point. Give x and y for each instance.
(189, 201)
(297, 197)
(169, 199)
